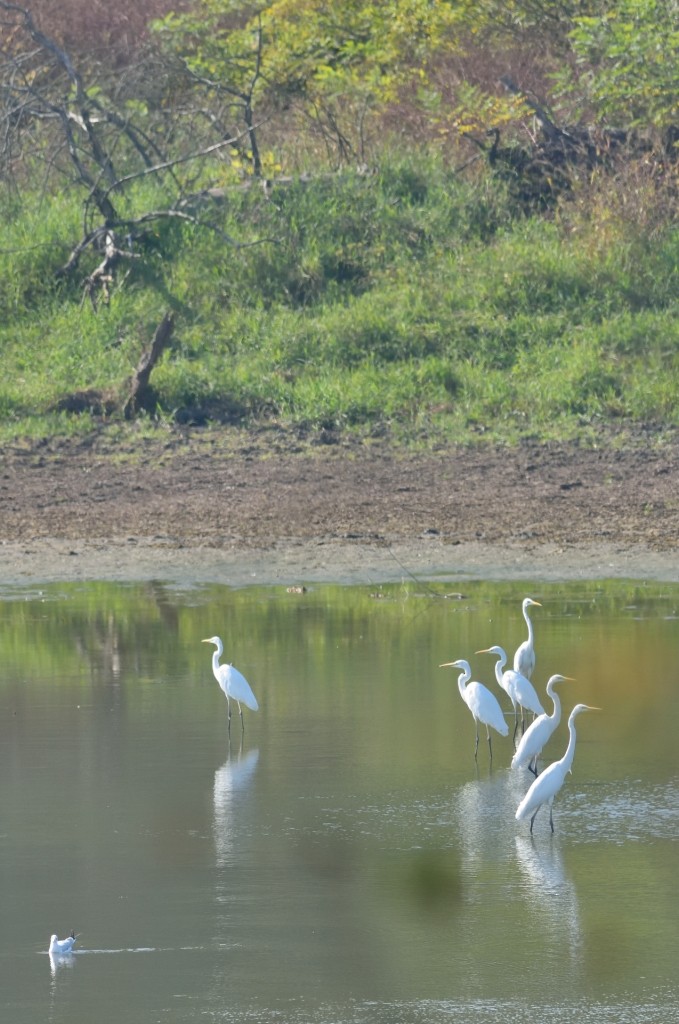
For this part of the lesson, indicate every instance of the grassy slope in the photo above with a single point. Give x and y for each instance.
(408, 301)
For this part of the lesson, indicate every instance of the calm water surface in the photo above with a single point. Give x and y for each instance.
(346, 859)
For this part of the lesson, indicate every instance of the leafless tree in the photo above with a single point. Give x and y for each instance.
(99, 135)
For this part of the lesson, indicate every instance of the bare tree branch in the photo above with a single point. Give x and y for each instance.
(167, 164)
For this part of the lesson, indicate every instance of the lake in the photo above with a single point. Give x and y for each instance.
(345, 858)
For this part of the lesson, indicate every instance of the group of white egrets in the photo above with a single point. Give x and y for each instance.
(516, 682)
(483, 706)
(517, 685)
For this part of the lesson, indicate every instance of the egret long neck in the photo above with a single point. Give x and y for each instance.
(499, 667)
(556, 713)
(462, 679)
(215, 662)
(530, 626)
(567, 759)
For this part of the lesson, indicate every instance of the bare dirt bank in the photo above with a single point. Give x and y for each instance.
(263, 508)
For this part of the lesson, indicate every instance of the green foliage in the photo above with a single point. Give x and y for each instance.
(311, 47)
(34, 237)
(627, 55)
(407, 301)
(337, 64)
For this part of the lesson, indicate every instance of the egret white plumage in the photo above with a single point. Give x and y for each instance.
(519, 689)
(232, 682)
(539, 731)
(480, 701)
(524, 658)
(547, 785)
(62, 945)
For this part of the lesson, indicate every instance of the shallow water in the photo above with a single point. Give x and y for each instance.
(345, 859)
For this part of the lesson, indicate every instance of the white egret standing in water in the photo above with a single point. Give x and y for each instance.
(519, 689)
(480, 701)
(524, 658)
(62, 945)
(539, 731)
(232, 682)
(548, 784)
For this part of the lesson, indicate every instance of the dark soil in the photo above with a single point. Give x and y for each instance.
(267, 491)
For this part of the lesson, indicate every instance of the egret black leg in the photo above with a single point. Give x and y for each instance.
(490, 745)
(532, 820)
(551, 821)
(476, 748)
(242, 723)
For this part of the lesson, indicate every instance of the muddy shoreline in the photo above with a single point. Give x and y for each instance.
(293, 563)
(243, 509)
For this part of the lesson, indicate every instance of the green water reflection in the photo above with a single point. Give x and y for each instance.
(345, 859)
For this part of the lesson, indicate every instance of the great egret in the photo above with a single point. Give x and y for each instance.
(481, 702)
(547, 785)
(519, 689)
(539, 731)
(524, 658)
(234, 685)
(62, 945)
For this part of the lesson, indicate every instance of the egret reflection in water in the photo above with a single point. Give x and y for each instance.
(485, 808)
(59, 960)
(550, 894)
(231, 782)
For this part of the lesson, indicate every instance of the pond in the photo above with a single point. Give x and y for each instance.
(345, 858)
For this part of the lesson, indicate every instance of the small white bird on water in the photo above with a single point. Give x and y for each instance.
(480, 701)
(62, 945)
(547, 785)
(232, 682)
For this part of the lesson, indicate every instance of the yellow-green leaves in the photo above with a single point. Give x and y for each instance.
(628, 59)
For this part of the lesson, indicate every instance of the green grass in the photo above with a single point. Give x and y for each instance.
(410, 302)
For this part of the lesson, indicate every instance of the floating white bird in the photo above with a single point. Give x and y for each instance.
(524, 658)
(480, 701)
(539, 731)
(548, 784)
(519, 689)
(62, 945)
(234, 685)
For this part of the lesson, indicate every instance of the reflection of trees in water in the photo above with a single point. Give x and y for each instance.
(101, 649)
(116, 645)
(166, 605)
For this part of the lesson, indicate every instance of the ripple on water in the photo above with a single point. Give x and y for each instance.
(624, 811)
(480, 1011)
